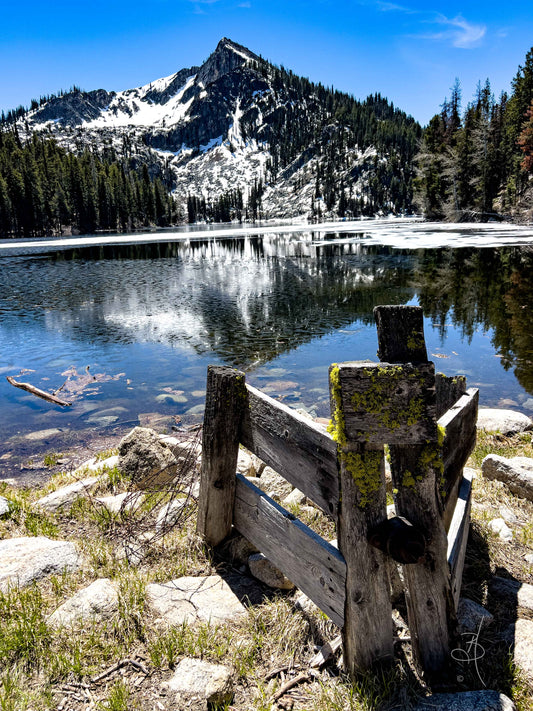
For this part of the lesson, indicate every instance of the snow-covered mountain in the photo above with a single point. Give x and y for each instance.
(238, 124)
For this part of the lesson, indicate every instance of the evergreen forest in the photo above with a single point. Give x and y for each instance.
(45, 190)
(478, 163)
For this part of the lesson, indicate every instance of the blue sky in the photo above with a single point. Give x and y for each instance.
(411, 52)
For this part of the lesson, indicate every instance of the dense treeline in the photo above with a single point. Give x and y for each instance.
(44, 190)
(478, 162)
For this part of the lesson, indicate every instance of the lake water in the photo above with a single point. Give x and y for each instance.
(126, 329)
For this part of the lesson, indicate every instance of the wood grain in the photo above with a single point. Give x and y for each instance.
(415, 472)
(391, 404)
(224, 406)
(314, 565)
(459, 423)
(301, 450)
(458, 534)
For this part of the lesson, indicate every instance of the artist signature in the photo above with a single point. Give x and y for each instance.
(473, 651)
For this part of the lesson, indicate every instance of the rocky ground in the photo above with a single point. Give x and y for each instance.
(108, 600)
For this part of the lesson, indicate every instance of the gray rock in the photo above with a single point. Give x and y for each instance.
(183, 448)
(296, 497)
(196, 681)
(306, 605)
(98, 601)
(96, 466)
(517, 479)
(262, 569)
(498, 525)
(145, 459)
(191, 599)
(504, 421)
(23, 560)
(248, 464)
(515, 592)
(520, 637)
(508, 515)
(239, 549)
(169, 514)
(471, 615)
(42, 434)
(5, 506)
(467, 701)
(127, 501)
(529, 558)
(274, 485)
(66, 495)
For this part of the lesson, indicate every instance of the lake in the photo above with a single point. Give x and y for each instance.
(125, 326)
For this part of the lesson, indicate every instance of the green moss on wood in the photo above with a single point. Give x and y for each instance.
(364, 468)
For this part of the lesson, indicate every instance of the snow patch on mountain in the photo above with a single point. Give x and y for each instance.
(131, 108)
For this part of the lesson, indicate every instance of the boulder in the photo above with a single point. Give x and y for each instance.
(98, 601)
(127, 501)
(512, 591)
(467, 701)
(66, 495)
(96, 466)
(169, 514)
(248, 464)
(238, 549)
(296, 497)
(498, 526)
(200, 684)
(146, 459)
(513, 473)
(519, 635)
(5, 506)
(471, 615)
(192, 599)
(265, 571)
(505, 421)
(23, 560)
(183, 448)
(274, 484)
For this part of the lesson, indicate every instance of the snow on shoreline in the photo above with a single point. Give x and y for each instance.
(400, 233)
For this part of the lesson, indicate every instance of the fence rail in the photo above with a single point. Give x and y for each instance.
(395, 403)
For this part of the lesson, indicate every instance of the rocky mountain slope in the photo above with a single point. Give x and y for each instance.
(248, 136)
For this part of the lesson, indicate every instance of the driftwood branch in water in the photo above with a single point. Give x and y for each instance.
(40, 393)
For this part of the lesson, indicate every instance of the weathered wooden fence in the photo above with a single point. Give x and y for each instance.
(428, 424)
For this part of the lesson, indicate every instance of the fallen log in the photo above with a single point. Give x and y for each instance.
(39, 393)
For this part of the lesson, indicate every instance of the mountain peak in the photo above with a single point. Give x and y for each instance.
(227, 56)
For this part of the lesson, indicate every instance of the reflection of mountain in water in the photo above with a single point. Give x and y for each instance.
(247, 300)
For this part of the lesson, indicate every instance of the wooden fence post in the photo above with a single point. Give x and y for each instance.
(367, 630)
(224, 405)
(416, 471)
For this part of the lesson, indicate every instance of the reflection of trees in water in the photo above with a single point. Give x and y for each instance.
(250, 299)
(491, 288)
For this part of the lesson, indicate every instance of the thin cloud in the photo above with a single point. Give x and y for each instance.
(462, 33)
(459, 33)
(393, 7)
